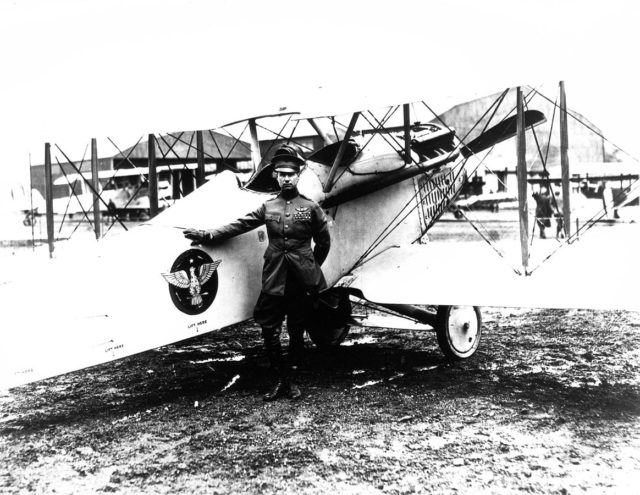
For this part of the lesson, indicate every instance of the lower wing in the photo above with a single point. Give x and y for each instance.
(597, 272)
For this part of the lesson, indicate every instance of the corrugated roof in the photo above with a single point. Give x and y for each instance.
(468, 120)
(181, 146)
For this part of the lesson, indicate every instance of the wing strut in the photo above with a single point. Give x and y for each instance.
(564, 162)
(321, 133)
(407, 133)
(255, 144)
(343, 147)
(521, 174)
(48, 193)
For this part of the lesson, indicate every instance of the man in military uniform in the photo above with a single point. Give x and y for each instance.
(544, 210)
(291, 274)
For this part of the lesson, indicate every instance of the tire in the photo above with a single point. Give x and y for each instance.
(459, 330)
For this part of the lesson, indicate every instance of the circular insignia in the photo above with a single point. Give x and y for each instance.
(193, 281)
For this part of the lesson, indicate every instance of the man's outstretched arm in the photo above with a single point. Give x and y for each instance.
(243, 224)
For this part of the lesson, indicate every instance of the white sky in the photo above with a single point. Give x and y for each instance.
(73, 69)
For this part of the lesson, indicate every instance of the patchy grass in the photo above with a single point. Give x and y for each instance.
(550, 403)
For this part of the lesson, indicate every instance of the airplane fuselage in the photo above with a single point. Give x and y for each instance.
(124, 305)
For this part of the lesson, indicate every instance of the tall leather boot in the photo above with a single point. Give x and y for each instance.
(296, 356)
(271, 338)
(296, 347)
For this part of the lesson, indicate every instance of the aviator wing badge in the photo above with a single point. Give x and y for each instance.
(193, 281)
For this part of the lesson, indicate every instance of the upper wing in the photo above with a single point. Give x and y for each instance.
(597, 273)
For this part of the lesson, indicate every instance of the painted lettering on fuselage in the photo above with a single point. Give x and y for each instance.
(114, 348)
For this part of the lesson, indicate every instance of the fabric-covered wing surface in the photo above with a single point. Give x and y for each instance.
(599, 272)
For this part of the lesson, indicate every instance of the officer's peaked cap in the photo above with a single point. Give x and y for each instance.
(289, 154)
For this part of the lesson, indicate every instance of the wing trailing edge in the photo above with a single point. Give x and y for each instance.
(594, 273)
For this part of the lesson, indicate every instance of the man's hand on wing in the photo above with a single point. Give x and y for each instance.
(195, 235)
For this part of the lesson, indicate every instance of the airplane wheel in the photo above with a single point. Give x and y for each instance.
(329, 338)
(459, 329)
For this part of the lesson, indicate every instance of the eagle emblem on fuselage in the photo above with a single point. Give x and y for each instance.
(193, 281)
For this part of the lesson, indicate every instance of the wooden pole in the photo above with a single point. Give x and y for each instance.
(187, 181)
(48, 192)
(200, 153)
(97, 220)
(407, 133)
(255, 145)
(341, 150)
(521, 174)
(175, 182)
(153, 176)
(564, 162)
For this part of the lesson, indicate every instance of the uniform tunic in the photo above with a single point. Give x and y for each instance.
(291, 224)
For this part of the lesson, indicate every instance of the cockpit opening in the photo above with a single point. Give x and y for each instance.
(327, 155)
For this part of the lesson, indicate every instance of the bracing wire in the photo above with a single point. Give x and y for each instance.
(389, 228)
(595, 131)
(31, 213)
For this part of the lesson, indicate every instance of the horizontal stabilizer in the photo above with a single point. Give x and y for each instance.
(501, 132)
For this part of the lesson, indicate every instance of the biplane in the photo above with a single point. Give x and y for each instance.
(120, 189)
(383, 176)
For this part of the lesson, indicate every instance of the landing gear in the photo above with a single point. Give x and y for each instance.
(459, 329)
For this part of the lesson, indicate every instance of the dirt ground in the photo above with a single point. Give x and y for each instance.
(550, 403)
